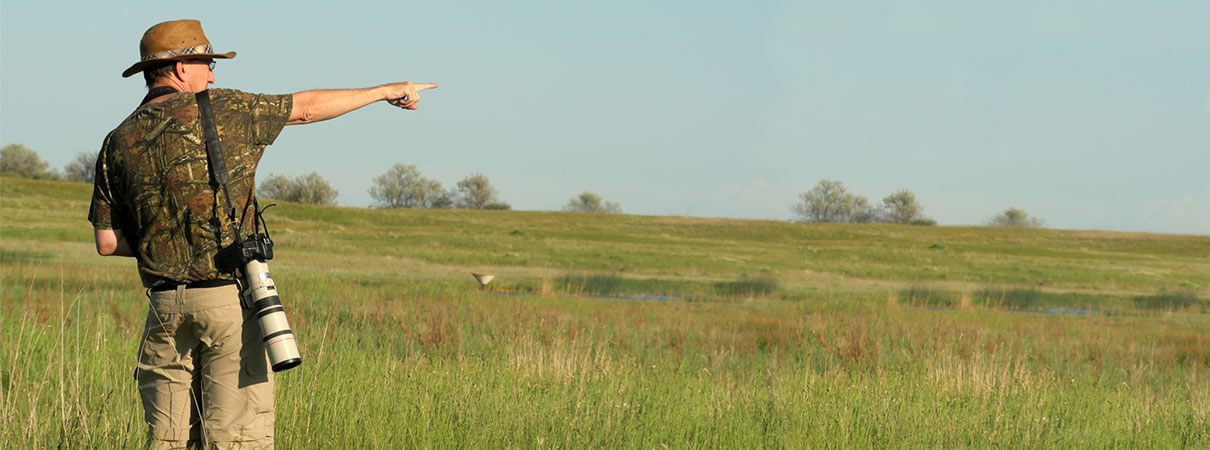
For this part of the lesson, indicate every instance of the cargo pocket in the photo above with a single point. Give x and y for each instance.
(257, 385)
(255, 378)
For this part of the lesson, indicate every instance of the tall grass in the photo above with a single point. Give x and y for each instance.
(1016, 298)
(594, 284)
(929, 296)
(401, 348)
(440, 364)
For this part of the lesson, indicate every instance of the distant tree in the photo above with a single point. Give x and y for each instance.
(862, 211)
(902, 207)
(310, 188)
(277, 187)
(442, 200)
(82, 169)
(829, 201)
(17, 160)
(593, 203)
(476, 192)
(403, 187)
(1015, 217)
(500, 205)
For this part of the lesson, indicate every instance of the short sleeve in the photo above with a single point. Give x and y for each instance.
(269, 116)
(100, 213)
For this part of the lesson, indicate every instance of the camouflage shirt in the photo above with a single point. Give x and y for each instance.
(153, 182)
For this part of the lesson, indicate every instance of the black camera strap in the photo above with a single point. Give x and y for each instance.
(218, 167)
(156, 92)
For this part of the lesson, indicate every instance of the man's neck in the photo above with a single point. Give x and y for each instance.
(169, 82)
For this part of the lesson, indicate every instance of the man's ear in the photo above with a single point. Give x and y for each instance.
(178, 70)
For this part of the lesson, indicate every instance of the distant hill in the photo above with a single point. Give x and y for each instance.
(530, 250)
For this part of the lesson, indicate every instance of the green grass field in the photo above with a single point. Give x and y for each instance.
(779, 335)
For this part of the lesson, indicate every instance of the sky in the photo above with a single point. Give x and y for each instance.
(1086, 114)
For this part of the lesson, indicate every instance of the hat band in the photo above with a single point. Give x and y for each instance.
(201, 49)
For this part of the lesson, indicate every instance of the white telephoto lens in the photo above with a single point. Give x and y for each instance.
(274, 329)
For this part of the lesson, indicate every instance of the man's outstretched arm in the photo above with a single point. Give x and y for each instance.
(317, 105)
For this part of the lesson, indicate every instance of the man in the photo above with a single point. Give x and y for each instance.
(202, 371)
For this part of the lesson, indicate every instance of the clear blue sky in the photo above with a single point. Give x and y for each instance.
(1088, 114)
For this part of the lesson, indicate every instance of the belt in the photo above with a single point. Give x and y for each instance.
(170, 285)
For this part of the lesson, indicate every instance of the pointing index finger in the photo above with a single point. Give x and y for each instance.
(423, 86)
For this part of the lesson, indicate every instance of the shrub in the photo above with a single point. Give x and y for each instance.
(402, 186)
(1015, 217)
(17, 160)
(310, 188)
(830, 202)
(902, 207)
(476, 192)
(592, 203)
(82, 169)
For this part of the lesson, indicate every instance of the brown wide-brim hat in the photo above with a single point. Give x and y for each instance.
(172, 41)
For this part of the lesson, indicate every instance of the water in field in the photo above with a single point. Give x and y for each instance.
(1052, 311)
(1060, 311)
(613, 297)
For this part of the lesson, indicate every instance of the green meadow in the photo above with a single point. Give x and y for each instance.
(628, 331)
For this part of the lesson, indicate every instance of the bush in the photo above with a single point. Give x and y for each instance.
(593, 203)
(830, 202)
(902, 207)
(310, 188)
(476, 192)
(747, 287)
(403, 187)
(16, 160)
(82, 169)
(1015, 217)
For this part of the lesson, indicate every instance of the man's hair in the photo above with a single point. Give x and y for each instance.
(154, 73)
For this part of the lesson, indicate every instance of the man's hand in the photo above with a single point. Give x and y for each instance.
(316, 105)
(407, 94)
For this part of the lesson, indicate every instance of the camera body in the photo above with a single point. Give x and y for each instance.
(257, 247)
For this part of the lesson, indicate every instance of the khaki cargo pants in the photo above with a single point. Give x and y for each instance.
(203, 373)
